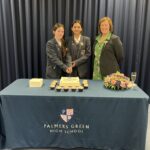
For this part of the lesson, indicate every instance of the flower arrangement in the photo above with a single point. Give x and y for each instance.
(117, 81)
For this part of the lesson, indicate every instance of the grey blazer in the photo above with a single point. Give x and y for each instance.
(111, 56)
(56, 63)
(80, 53)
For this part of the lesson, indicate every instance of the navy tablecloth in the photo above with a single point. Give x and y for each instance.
(95, 118)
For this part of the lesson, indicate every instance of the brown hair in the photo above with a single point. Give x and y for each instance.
(57, 25)
(109, 21)
(63, 46)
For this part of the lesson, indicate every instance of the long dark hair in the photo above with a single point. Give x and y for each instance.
(63, 45)
(79, 22)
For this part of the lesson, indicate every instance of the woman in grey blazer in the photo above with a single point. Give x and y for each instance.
(58, 57)
(108, 51)
(80, 50)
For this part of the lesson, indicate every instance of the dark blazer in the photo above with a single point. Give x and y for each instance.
(111, 56)
(56, 64)
(80, 54)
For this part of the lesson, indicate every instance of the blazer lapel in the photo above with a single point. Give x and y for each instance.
(81, 43)
(58, 49)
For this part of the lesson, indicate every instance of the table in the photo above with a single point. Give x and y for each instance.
(95, 118)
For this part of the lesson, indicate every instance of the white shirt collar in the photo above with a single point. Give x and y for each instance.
(59, 42)
(77, 40)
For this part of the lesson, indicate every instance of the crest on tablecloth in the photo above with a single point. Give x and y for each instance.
(67, 114)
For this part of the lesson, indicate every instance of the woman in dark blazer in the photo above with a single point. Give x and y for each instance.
(80, 50)
(108, 51)
(58, 57)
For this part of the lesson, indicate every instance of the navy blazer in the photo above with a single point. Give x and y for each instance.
(80, 54)
(111, 56)
(56, 63)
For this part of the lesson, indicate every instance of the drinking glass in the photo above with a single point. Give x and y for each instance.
(133, 76)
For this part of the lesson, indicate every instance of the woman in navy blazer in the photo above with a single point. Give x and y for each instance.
(80, 50)
(108, 51)
(58, 57)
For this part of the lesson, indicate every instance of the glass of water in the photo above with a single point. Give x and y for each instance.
(133, 76)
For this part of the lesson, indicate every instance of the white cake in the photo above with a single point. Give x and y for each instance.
(69, 81)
